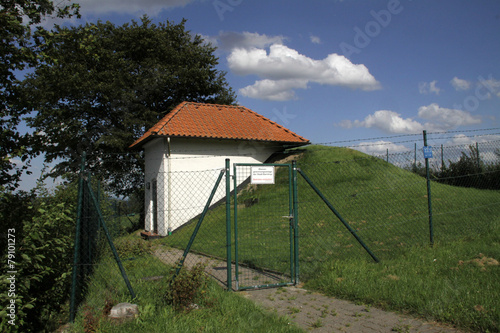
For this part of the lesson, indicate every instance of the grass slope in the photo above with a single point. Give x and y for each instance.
(217, 311)
(454, 281)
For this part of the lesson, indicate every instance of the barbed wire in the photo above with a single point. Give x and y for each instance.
(251, 146)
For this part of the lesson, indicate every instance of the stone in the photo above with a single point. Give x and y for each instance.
(124, 310)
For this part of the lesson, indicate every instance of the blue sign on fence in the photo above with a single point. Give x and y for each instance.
(427, 152)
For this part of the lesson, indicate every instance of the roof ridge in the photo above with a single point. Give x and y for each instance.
(173, 113)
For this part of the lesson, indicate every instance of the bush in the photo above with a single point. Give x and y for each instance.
(43, 225)
(132, 247)
(187, 288)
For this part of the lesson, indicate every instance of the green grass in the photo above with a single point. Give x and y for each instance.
(455, 283)
(223, 312)
(387, 207)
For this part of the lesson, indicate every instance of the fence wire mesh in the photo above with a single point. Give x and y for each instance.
(384, 199)
(174, 206)
(262, 232)
(95, 252)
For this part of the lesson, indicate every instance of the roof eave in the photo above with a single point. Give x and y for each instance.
(288, 144)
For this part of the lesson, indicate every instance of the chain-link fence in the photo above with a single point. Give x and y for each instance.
(347, 204)
(387, 203)
(94, 248)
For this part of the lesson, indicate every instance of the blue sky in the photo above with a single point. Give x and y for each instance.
(335, 70)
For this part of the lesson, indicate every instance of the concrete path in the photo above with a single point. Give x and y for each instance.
(309, 310)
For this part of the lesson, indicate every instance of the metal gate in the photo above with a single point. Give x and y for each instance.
(265, 225)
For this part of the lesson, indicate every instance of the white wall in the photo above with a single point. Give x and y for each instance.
(186, 171)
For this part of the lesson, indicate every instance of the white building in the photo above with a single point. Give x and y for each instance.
(186, 150)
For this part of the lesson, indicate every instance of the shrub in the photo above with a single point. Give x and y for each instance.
(187, 288)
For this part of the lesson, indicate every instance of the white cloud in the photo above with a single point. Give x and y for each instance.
(380, 147)
(289, 70)
(487, 146)
(274, 90)
(462, 139)
(445, 119)
(315, 39)
(438, 119)
(492, 85)
(428, 88)
(388, 121)
(229, 40)
(151, 7)
(460, 84)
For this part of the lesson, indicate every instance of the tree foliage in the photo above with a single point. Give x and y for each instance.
(100, 86)
(43, 226)
(468, 171)
(16, 54)
(471, 171)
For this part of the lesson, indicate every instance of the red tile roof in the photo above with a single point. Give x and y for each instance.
(199, 120)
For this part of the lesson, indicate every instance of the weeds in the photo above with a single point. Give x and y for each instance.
(91, 321)
(401, 329)
(187, 288)
(317, 324)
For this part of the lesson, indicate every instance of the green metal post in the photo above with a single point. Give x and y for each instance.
(228, 225)
(429, 201)
(295, 220)
(76, 256)
(99, 193)
(235, 203)
(89, 227)
(325, 200)
(198, 225)
(442, 158)
(415, 157)
(291, 224)
(110, 242)
(478, 158)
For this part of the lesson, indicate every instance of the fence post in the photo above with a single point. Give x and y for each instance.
(429, 201)
(235, 217)
(228, 225)
(478, 158)
(415, 158)
(295, 220)
(76, 257)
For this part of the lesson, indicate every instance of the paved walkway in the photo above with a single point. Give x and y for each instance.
(318, 313)
(312, 311)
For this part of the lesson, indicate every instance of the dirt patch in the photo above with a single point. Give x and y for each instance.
(482, 262)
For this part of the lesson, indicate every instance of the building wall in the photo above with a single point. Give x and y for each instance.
(185, 171)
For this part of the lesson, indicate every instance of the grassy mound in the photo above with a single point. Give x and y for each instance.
(387, 206)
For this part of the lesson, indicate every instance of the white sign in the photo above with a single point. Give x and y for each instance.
(262, 175)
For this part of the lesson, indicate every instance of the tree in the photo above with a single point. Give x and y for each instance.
(471, 171)
(17, 53)
(100, 86)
